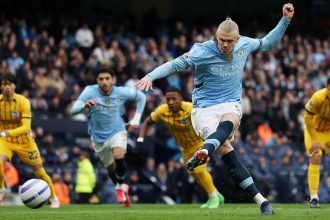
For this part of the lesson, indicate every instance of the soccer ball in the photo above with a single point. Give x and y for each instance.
(35, 193)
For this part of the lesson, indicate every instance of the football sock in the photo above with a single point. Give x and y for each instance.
(112, 176)
(41, 174)
(240, 173)
(259, 199)
(216, 139)
(120, 170)
(313, 179)
(204, 179)
(2, 179)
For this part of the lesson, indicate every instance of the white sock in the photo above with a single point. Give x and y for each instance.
(214, 194)
(259, 199)
(314, 197)
(119, 186)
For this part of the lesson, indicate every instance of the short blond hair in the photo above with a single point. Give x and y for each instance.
(228, 26)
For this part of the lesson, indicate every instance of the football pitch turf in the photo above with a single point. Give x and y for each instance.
(162, 212)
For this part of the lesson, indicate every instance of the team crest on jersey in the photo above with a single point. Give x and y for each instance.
(15, 114)
(107, 101)
(117, 100)
(229, 57)
(184, 121)
(240, 53)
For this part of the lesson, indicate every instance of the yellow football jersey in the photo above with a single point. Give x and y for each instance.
(319, 105)
(11, 115)
(179, 124)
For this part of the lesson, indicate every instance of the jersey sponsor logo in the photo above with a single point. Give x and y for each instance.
(240, 53)
(15, 114)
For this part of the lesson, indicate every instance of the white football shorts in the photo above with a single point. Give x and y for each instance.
(206, 120)
(104, 150)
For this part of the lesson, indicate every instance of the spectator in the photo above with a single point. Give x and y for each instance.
(61, 189)
(85, 180)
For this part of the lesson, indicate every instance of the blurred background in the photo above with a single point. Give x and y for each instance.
(40, 45)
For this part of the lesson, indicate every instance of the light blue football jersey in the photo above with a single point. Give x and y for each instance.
(105, 118)
(218, 76)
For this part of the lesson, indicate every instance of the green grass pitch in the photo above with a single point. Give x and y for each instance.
(162, 212)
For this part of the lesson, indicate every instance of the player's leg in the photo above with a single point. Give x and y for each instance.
(5, 155)
(112, 154)
(215, 140)
(204, 179)
(313, 171)
(2, 177)
(40, 172)
(243, 177)
(215, 125)
(30, 155)
(119, 145)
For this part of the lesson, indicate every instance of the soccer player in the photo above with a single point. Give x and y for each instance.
(176, 116)
(104, 103)
(317, 137)
(15, 135)
(218, 65)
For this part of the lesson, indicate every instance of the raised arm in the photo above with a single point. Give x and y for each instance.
(273, 37)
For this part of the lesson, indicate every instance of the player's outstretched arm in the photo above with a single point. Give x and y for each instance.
(145, 84)
(164, 70)
(273, 37)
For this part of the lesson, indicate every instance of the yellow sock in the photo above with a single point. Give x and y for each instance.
(41, 174)
(313, 179)
(2, 176)
(204, 179)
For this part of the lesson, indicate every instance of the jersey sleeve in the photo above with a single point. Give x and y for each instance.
(78, 105)
(191, 58)
(254, 45)
(130, 93)
(86, 94)
(313, 104)
(26, 109)
(158, 113)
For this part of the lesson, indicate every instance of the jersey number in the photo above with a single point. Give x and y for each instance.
(33, 155)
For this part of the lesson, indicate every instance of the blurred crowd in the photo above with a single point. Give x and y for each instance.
(54, 59)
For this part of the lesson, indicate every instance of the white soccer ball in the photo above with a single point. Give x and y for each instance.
(35, 193)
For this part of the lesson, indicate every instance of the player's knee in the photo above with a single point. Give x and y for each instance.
(118, 153)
